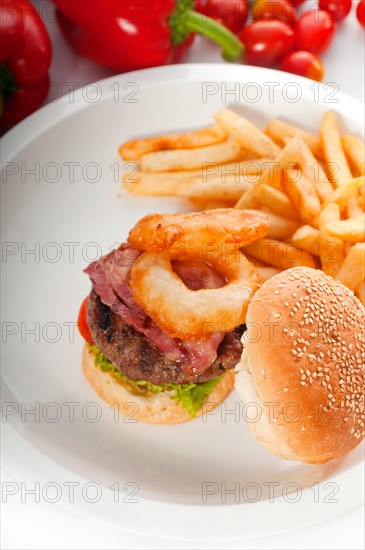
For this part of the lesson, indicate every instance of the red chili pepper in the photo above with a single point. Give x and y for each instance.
(125, 35)
(25, 57)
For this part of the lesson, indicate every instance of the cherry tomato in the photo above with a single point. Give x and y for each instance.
(231, 13)
(266, 42)
(281, 10)
(297, 2)
(303, 63)
(314, 31)
(339, 9)
(360, 12)
(82, 322)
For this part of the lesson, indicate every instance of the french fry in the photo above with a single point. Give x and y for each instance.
(307, 238)
(134, 150)
(167, 183)
(254, 167)
(192, 159)
(343, 193)
(280, 228)
(247, 133)
(331, 250)
(361, 197)
(360, 292)
(352, 271)
(214, 188)
(162, 184)
(278, 130)
(313, 171)
(351, 231)
(278, 254)
(287, 156)
(302, 193)
(276, 202)
(337, 168)
(266, 271)
(353, 208)
(355, 153)
(212, 205)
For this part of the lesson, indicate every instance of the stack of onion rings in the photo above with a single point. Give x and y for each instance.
(182, 312)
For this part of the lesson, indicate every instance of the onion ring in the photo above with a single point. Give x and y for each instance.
(189, 232)
(193, 314)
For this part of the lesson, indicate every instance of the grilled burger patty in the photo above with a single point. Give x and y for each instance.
(139, 359)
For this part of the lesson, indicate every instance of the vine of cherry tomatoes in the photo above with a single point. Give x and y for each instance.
(283, 33)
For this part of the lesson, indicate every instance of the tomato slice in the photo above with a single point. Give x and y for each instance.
(82, 322)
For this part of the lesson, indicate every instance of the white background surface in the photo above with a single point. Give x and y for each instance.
(42, 525)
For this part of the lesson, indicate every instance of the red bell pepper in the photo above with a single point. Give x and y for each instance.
(25, 57)
(125, 35)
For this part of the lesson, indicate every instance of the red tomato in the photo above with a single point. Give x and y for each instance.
(231, 13)
(282, 10)
(296, 2)
(339, 9)
(82, 322)
(266, 42)
(314, 31)
(303, 63)
(360, 12)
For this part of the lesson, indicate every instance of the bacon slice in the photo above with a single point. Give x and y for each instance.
(110, 276)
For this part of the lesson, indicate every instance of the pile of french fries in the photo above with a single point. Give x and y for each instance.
(310, 186)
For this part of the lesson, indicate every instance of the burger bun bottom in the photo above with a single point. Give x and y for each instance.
(152, 408)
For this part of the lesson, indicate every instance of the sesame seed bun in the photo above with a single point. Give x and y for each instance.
(303, 364)
(152, 408)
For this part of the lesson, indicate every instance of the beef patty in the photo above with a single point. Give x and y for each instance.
(138, 358)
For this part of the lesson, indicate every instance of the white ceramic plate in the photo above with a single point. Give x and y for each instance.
(62, 206)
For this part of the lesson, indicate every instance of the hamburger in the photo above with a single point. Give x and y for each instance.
(303, 365)
(163, 322)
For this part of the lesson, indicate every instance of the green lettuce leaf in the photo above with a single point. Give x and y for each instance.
(191, 396)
